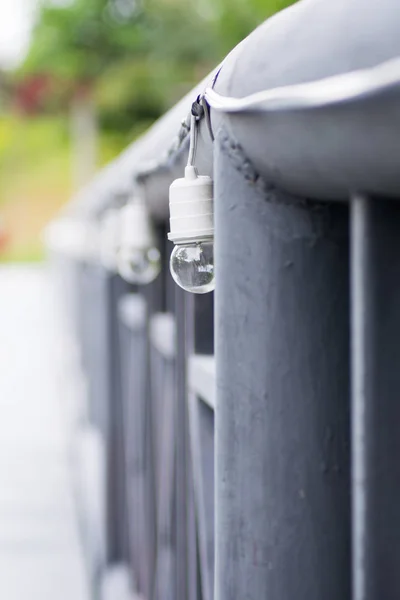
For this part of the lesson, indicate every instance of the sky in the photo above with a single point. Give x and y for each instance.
(16, 18)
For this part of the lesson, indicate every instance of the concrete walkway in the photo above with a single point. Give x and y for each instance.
(40, 553)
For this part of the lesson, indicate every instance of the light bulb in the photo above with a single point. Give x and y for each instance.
(139, 260)
(139, 265)
(192, 266)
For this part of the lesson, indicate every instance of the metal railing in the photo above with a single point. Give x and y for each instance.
(271, 470)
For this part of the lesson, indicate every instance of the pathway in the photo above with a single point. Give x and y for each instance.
(40, 553)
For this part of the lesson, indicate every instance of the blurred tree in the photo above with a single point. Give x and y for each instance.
(233, 20)
(134, 58)
(74, 43)
(81, 38)
(78, 41)
(114, 66)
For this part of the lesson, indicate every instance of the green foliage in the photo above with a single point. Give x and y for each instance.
(138, 58)
(79, 40)
(235, 19)
(25, 146)
(34, 180)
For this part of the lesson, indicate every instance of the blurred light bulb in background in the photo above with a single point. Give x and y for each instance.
(192, 266)
(139, 266)
(139, 260)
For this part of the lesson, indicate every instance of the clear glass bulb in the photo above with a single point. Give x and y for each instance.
(139, 266)
(192, 267)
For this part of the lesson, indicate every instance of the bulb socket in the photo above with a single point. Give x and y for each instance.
(191, 207)
(110, 239)
(136, 228)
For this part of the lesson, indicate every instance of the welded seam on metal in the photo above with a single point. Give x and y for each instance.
(324, 92)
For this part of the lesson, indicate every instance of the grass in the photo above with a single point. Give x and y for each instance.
(35, 180)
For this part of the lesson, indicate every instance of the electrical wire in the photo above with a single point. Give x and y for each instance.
(327, 91)
(193, 141)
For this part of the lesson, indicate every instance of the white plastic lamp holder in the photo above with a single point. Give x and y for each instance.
(110, 239)
(138, 259)
(191, 208)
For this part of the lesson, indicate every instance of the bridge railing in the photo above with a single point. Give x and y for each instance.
(267, 468)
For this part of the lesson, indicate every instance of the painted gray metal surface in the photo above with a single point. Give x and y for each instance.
(325, 153)
(202, 449)
(164, 434)
(94, 299)
(163, 540)
(375, 397)
(137, 437)
(186, 564)
(117, 535)
(282, 405)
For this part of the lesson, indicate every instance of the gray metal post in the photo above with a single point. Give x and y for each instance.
(194, 334)
(184, 501)
(137, 442)
(94, 297)
(375, 394)
(116, 509)
(282, 406)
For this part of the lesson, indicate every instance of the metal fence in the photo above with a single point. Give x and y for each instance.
(270, 471)
(159, 492)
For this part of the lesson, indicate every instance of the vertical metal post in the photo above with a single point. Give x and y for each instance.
(184, 502)
(97, 351)
(282, 405)
(137, 432)
(200, 341)
(375, 276)
(194, 334)
(117, 534)
(202, 450)
(194, 324)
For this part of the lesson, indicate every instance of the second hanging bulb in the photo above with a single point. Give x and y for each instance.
(139, 260)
